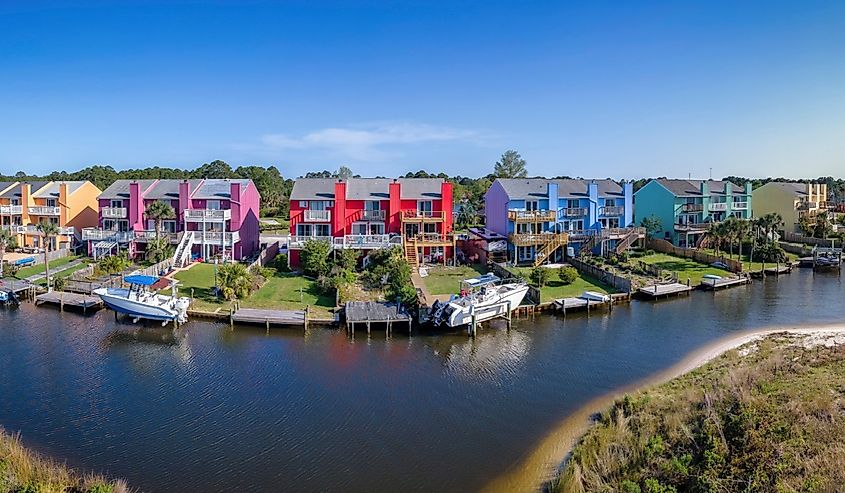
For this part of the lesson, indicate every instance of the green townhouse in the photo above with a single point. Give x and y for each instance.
(686, 208)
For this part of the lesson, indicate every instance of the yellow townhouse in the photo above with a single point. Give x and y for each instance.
(792, 201)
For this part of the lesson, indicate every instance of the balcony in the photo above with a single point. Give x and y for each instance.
(216, 237)
(146, 236)
(96, 234)
(532, 239)
(523, 216)
(612, 211)
(44, 211)
(692, 226)
(423, 216)
(432, 239)
(203, 215)
(113, 212)
(366, 242)
(297, 242)
(32, 229)
(371, 215)
(739, 206)
(312, 216)
(11, 209)
(804, 205)
(718, 206)
(692, 207)
(574, 211)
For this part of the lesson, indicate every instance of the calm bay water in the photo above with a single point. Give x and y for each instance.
(216, 410)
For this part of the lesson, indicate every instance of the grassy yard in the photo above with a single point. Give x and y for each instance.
(748, 266)
(684, 267)
(447, 280)
(64, 273)
(555, 289)
(281, 291)
(39, 269)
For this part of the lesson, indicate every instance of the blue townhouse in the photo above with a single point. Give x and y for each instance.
(543, 219)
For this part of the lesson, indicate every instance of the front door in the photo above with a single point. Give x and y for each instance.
(412, 230)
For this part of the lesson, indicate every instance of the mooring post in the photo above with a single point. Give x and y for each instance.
(509, 314)
(306, 317)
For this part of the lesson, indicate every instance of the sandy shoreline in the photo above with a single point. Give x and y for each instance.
(542, 464)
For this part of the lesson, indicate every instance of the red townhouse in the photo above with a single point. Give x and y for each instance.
(371, 213)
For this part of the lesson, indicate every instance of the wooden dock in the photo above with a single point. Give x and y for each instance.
(75, 300)
(570, 304)
(664, 290)
(269, 317)
(375, 312)
(775, 270)
(724, 283)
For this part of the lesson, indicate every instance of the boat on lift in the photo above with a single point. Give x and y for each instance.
(141, 301)
(483, 297)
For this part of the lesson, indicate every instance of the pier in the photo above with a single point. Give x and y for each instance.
(270, 317)
(724, 283)
(664, 290)
(569, 304)
(63, 299)
(374, 312)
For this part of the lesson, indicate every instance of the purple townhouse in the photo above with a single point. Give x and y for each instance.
(214, 218)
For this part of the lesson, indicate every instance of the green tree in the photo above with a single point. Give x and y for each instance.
(567, 274)
(466, 215)
(539, 276)
(159, 249)
(822, 228)
(214, 169)
(158, 211)
(114, 264)
(652, 225)
(347, 260)
(5, 240)
(511, 165)
(344, 173)
(49, 231)
(314, 258)
(234, 281)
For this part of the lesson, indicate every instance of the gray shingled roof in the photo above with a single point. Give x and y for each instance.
(366, 188)
(792, 187)
(169, 189)
(6, 184)
(692, 188)
(217, 188)
(15, 192)
(120, 189)
(523, 188)
(52, 190)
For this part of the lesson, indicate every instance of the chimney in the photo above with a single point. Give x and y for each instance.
(63, 203)
(235, 206)
(136, 207)
(26, 202)
(394, 222)
(339, 212)
(446, 201)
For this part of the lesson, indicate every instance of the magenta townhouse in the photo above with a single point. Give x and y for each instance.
(214, 218)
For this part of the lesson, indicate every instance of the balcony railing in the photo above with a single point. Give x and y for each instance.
(614, 210)
(11, 209)
(296, 242)
(574, 211)
(148, 235)
(199, 215)
(433, 239)
(317, 216)
(519, 216)
(45, 211)
(804, 205)
(692, 207)
(97, 234)
(113, 212)
(424, 216)
(740, 206)
(366, 242)
(692, 226)
(32, 229)
(529, 239)
(216, 238)
(718, 206)
(371, 215)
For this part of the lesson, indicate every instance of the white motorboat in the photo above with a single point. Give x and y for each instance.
(484, 298)
(595, 296)
(139, 301)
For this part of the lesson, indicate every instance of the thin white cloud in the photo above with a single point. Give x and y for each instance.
(367, 142)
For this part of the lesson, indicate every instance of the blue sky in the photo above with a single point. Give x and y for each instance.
(621, 89)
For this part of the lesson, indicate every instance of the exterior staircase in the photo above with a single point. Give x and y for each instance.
(183, 249)
(546, 249)
(629, 239)
(411, 253)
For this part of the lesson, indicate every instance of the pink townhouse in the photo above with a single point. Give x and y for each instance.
(213, 218)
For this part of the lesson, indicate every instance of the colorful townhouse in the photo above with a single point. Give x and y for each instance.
(70, 205)
(372, 213)
(793, 201)
(213, 218)
(686, 208)
(540, 217)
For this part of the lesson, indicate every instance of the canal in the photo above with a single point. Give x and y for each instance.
(212, 409)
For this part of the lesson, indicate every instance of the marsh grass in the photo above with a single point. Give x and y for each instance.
(772, 420)
(22, 470)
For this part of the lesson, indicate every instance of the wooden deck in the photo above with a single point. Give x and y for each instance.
(724, 283)
(63, 299)
(569, 304)
(269, 317)
(374, 312)
(775, 270)
(661, 290)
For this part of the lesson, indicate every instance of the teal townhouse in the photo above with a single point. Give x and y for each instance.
(546, 219)
(686, 208)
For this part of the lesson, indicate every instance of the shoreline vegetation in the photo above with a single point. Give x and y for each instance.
(552, 464)
(22, 470)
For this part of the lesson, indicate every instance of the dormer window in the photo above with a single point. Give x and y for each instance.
(213, 205)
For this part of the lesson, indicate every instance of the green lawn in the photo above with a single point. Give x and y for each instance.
(64, 273)
(281, 291)
(447, 280)
(555, 289)
(39, 269)
(750, 266)
(684, 267)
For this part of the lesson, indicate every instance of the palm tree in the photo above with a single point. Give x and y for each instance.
(234, 280)
(717, 232)
(49, 231)
(466, 213)
(5, 239)
(743, 231)
(158, 211)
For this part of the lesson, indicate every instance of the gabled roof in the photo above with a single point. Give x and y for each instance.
(367, 188)
(120, 189)
(799, 189)
(217, 188)
(169, 189)
(52, 189)
(6, 184)
(15, 191)
(692, 188)
(523, 188)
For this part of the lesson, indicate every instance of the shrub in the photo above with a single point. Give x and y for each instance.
(770, 252)
(389, 270)
(235, 281)
(59, 283)
(114, 264)
(280, 263)
(315, 258)
(347, 259)
(629, 486)
(567, 274)
(539, 276)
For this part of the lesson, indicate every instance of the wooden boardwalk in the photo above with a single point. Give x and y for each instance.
(270, 317)
(661, 290)
(373, 312)
(63, 299)
(724, 283)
